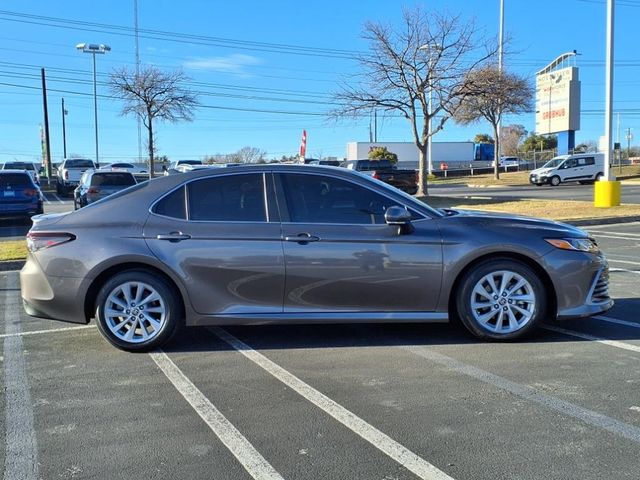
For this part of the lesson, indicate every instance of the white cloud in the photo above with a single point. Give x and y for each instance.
(235, 64)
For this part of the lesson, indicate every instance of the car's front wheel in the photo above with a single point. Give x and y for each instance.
(501, 300)
(137, 311)
(554, 181)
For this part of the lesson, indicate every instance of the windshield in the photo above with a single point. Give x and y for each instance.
(554, 162)
(112, 179)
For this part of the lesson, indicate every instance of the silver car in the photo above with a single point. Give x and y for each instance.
(301, 244)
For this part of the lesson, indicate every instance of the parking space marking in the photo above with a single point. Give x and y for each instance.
(626, 323)
(615, 260)
(593, 338)
(21, 450)
(600, 232)
(590, 417)
(623, 270)
(58, 198)
(254, 463)
(398, 452)
(616, 237)
(40, 332)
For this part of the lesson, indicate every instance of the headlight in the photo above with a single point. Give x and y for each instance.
(578, 244)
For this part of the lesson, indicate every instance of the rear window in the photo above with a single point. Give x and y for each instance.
(121, 165)
(78, 164)
(14, 180)
(19, 166)
(115, 179)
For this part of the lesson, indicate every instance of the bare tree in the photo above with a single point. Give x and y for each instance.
(250, 154)
(491, 94)
(153, 94)
(510, 138)
(428, 51)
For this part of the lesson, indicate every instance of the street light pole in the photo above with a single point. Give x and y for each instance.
(94, 49)
(500, 61)
(608, 121)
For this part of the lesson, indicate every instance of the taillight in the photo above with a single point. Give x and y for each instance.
(40, 240)
(30, 192)
(375, 175)
(93, 190)
(66, 175)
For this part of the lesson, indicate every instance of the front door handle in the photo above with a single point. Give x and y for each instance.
(173, 237)
(302, 238)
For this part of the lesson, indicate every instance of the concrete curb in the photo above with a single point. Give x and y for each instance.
(5, 266)
(585, 222)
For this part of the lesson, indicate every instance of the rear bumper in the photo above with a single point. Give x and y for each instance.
(20, 209)
(57, 298)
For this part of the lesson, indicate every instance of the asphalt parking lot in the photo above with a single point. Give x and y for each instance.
(337, 402)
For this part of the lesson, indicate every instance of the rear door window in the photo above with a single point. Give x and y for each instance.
(78, 164)
(228, 198)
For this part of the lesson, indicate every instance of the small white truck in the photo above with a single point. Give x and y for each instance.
(69, 173)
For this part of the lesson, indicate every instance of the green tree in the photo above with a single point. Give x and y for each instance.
(381, 153)
(539, 142)
(483, 138)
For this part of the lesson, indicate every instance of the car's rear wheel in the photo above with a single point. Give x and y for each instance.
(137, 311)
(554, 181)
(501, 300)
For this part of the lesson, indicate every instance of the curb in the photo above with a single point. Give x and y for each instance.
(585, 222)
(6, 266)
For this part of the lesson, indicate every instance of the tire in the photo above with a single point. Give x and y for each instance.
(124, 331)
(58, 188)
(75, 203)
(554, 181)
(411, 191)
(538, 184)
(515, 312)
(599, 176)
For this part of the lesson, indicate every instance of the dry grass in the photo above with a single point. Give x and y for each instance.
(13, 250)
(551, 209)
(522, 178)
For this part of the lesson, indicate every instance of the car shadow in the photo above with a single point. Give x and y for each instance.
(280, 337)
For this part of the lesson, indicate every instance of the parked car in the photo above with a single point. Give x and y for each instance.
(69, 173)
(19, 194)
(385, 171)
(28, 166)
(292, 243)
(509, 162)
(124, 167)
(97, 184)
(178, 166)
(584, 168)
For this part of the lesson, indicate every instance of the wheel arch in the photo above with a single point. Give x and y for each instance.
(530, 262)
(98, 282)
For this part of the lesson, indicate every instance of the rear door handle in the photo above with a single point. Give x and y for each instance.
(302, 238)
(173, 237)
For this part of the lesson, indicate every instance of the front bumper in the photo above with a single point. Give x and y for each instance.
(58, 298)
(535, 179)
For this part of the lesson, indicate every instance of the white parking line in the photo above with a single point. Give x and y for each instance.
(600, 232)
(617, 321)
(590, 417)
(245, 453)
(40, 332)
(624, 270)
(368, 432)
(593, 338)
(615, 260)
(597, 235)
(58, 198)
(21, 449)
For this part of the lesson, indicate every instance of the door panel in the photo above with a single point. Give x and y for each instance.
(340, 256)
(228, 267)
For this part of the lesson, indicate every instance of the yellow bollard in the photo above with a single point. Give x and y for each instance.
(607, 194)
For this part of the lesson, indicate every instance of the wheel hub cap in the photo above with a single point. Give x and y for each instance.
(503, 302)
(135, 312)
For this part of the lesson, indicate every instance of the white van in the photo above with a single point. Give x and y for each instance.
(583, 168)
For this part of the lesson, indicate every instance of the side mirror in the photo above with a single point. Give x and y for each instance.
(397, 216)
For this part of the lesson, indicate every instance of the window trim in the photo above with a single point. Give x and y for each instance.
(287, 214)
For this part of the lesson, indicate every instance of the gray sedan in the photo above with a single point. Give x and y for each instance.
(301, 244)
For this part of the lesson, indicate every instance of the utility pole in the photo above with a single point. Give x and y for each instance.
(64, 133)
(500, 66)
(46, 127)
(135, 24)
(629, 138)
(375, 126)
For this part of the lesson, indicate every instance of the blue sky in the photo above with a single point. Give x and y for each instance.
(539, 31)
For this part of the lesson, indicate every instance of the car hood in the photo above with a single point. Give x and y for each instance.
(541, 171)
(509, 221)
